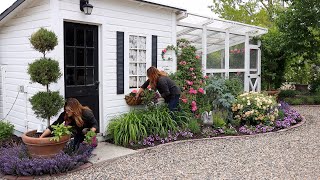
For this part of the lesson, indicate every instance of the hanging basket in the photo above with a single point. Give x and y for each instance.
(133, 101)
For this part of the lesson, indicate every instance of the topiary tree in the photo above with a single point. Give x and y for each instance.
(45, 71)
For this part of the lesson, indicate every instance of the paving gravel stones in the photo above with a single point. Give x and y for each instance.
(293, 154)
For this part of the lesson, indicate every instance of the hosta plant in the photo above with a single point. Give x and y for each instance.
(254, 108)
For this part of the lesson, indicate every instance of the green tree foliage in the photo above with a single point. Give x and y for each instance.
(43, 40)
(44, 71)
(300, 26)
(255, 12)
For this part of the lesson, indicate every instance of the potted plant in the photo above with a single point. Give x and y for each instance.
(45, 104)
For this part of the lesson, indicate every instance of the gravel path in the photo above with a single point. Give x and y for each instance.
(294, 154)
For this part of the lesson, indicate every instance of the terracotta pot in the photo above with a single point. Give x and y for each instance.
(301, 87)
(43, 147)
(273, 92)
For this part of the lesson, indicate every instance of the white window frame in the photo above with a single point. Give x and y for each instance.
(126, 57)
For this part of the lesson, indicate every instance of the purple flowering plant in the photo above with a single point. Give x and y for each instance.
(290, 116)
(16, 161)
(152, 140)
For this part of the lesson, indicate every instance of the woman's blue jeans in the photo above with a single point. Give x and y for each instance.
(174, 102)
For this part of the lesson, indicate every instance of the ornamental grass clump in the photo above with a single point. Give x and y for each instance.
(255, 108)
(134, 126)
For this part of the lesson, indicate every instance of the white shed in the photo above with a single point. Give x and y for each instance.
(105, 55)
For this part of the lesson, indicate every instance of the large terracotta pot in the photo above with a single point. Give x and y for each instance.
(301, 87)
(43, 147)
(273, 92)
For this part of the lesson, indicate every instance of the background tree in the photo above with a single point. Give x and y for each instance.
(300, 26)
(261, 13)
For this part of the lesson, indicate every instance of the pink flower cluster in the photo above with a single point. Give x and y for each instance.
(200, 90)
(193, 91)
(190, 83)
(182, 62)
(164, 50)
(194, 106)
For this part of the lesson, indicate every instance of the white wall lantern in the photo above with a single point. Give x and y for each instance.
(86, 7)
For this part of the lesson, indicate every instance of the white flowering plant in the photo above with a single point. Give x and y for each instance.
(255, 108)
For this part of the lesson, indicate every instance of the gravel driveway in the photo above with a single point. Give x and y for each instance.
(294, 154)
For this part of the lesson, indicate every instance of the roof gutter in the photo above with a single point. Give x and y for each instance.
(10, 9)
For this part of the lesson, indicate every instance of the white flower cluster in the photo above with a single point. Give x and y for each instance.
(255, 106)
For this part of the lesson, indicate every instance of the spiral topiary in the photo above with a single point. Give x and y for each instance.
(45, 71)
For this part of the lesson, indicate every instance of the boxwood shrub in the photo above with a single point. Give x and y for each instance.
(6, 130)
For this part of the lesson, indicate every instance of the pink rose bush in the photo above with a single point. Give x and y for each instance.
(189, 77)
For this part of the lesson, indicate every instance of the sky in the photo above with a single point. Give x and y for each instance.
(194, 6)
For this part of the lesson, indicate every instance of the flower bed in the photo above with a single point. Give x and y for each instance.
(287, 117)
(16, 161)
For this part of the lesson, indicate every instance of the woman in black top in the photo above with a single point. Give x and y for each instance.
(79, 117)
(167, 88)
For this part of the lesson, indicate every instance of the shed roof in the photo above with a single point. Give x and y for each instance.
(17, 3)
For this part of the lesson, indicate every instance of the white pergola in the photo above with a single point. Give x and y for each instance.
(215, 37)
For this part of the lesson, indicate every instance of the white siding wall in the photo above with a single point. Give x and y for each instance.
(131, 18)
(15, 54)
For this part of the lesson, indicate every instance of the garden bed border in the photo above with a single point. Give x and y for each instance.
(89, 164)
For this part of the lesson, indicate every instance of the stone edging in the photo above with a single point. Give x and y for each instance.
(87, 165)
(10, 177)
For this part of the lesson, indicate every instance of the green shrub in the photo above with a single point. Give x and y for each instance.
(234, 86)
(287, 93)
(43, 40)
(46, 104)
(294, 101)
(308, 100)
(316, 99)
(218, 120)
(194, 126)
(219, 94)
(6, 130)
(44, 71)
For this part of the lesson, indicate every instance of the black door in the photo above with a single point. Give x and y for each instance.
(81, 64)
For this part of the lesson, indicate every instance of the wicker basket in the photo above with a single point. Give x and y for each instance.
(133, 101)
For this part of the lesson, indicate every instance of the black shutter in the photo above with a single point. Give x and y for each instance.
(120, 62)
(154, 55)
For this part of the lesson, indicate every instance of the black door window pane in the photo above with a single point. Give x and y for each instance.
(90, 75)
(90, 57)
(80, 76)
(70, 77)
(69, 56)
(70, 36)
(89, 38)
(80, 57)
(80, 37)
